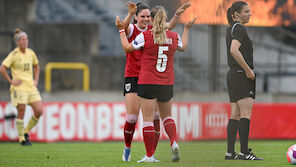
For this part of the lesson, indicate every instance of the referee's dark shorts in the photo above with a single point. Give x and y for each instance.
(239, 86)
(162, 93)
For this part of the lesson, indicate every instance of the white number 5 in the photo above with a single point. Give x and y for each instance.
(162, 59)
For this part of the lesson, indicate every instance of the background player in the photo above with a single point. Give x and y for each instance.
(22, 62)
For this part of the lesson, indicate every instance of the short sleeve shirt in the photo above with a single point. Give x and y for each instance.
(157, 61)
(238, 32)
(21, 66)
(133, 64)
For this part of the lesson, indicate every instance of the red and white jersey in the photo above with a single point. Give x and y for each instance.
(157, 61)
(133, 64)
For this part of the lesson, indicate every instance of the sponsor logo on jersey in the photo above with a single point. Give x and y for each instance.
(169, 41)
(135, 42)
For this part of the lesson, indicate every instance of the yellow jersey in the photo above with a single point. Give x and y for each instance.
(21, 67)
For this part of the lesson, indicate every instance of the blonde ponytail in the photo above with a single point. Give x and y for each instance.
(159, 16)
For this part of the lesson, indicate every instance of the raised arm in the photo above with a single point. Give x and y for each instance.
(238, 57)
(132, 8)
(185, 35)
(173, 22)
(127, 47)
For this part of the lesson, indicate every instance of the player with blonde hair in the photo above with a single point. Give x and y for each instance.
(142, 23)
(156, 77)
(23, 63)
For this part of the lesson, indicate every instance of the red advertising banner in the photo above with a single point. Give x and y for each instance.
(105, 121)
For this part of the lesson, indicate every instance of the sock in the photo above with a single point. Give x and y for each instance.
(232, 128)
(148, 136)
(20, 129)
(170, 128)
(244, 125)
(129, 129)
(32, 122)
(157, 132)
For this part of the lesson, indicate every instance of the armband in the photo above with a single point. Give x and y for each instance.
(121, 30)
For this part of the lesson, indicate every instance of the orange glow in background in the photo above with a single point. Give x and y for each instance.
(264, 12)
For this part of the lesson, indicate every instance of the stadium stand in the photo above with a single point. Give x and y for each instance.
(88, 25)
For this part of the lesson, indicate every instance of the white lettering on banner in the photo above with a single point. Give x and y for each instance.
(67, 121)
(103, 121)
(1, 122)
(216, 120)
(138, 134)
(27, 117)
(10, 125)
(52, 122)
(175, 116)
(28, 114)
(40, 127)
(85, 122)
(118, 120)
(190, 121)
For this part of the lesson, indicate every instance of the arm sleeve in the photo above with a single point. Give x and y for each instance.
(35, 60)
(139, 42)
(131, 27)
(8, 60)
(180, 44)
(238, 32)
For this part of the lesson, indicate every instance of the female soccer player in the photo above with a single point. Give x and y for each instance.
(23, 62)
(141, 24)
(240, 80)
(156, 77)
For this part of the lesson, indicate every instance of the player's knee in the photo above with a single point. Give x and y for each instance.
(235, 116)
(246, 114)
(132, 118)
(38, 113)
(21, 109)
(156, 115)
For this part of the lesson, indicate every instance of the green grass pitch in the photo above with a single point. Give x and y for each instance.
(195, 154)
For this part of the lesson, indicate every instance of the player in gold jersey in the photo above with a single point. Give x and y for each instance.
(23, 62)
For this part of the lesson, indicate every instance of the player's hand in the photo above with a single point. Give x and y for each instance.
(250, 74)
(16, 82)
(119, 23)
(190, 23)
(182, 8)
(132, 7)
(35, 83)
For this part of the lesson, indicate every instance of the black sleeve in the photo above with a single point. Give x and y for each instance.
(239, 32)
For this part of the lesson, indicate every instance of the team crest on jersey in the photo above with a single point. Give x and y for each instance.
(128, 87)
(135, 42)
(169, 41)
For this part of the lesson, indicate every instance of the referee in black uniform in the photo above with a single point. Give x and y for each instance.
(240, 80)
